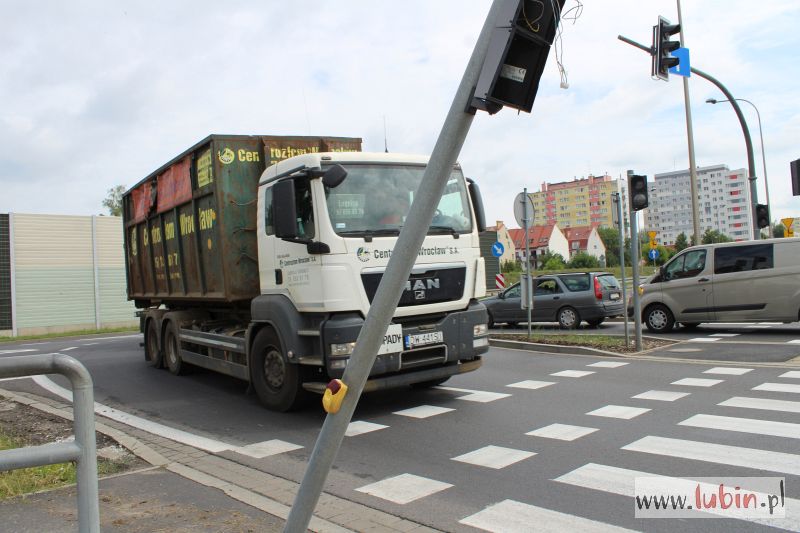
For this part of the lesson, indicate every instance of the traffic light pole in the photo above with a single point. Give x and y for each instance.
(621, 226)
(751, 165)
(637, 307)
(444, 155)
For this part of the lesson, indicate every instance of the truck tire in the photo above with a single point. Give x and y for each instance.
(152, 351)
(659, 318)
(276, 381)
(172, 352)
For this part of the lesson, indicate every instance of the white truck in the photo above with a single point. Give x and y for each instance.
(268, 276)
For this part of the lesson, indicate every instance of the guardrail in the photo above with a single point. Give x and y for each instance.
(82, 450)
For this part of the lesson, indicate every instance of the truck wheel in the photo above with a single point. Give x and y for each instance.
(659, 319)
(152, 351)
(568, 318)
(276, 381)
(172, 353)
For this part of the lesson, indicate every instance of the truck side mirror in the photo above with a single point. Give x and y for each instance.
(334, 176)
(284, 210)
(477, 205)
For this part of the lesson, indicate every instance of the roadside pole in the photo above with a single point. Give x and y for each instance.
(527, 296)
(637, 313)
(443, 158)
(616, 196)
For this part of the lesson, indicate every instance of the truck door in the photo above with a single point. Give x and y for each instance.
(686, 287)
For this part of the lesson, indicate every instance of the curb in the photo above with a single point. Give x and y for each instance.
(551, 348)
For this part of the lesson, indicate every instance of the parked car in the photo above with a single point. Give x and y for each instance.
(748, 281)
(564, 298)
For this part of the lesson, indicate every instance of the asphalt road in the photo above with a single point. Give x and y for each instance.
(460, 457)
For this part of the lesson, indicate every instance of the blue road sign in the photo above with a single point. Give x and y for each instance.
(653, 254)
(498, 249)
(683, 68)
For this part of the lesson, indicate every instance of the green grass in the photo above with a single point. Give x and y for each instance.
(595, 341)
(67, 334)
(28, 480)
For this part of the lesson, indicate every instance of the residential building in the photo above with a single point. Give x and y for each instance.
(585, 239)
(500, 233)
(580, 202)
(541, 239)
(493, 265)
(723, 204)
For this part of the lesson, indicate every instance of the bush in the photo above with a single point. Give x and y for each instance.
(584, 260)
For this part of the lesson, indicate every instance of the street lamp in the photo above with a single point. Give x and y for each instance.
(763, 157)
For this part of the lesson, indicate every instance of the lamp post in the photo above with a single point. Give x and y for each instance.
(763, 157)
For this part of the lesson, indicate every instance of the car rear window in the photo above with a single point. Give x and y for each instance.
(608, 281)
(576, 282)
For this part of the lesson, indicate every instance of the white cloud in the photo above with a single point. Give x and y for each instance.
(97, 94)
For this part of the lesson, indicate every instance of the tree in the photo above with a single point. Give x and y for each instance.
(681, 242)
(610, 238)
(551, 261)
(712, 236)
(113, 201)
(510, 265)
(583, 260)
(664, 254)
(777, 230)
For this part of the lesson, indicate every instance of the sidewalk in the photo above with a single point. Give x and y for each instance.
(186, 489)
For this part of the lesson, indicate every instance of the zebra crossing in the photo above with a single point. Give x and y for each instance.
(508, 515)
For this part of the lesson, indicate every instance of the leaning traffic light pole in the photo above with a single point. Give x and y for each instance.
(637, 188)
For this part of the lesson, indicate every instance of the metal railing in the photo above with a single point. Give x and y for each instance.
(82, 450)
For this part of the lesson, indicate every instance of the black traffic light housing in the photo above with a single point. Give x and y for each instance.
(663, 47)
(794, 167)
(637, 189)
(518, 49)
(762, 215)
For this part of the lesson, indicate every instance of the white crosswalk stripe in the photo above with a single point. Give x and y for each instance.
(779, 387)
(762, 403)
(607, 364)
(531, 384)
(511, 516)
(744, 425)
(661, 395)
(561, 432)
(697, 382)
(729, 371)
(495, 457)
(718, 453)
(618, 411)
(792, 374)
(621, 481)
(404, 488)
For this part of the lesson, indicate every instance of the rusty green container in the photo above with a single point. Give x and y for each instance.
(190, 226)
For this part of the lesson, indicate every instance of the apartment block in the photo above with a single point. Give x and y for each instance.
(580, 202)
(723, 203)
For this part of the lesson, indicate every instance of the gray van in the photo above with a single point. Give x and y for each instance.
(749, 281)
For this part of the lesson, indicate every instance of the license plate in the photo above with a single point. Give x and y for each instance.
(423, 339)
(614, 296)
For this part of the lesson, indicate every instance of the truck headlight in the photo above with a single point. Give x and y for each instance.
(480, 343)
(342, 349)
(337, 364)
(479, 329)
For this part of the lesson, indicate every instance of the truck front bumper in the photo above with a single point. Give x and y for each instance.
(458, 344)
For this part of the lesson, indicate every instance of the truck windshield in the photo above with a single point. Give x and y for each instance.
(375, 199)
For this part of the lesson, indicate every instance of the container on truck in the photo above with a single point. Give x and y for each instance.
(258, 257)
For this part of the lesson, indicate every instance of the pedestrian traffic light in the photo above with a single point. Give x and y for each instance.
(518, 49)
(762, 215)
(663, 48)
(637, 188)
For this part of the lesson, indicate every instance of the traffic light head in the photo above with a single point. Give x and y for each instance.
(762, 215)
(663, 47)
(637, 188)
(794, 167)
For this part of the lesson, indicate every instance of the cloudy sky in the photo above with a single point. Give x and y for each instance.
(95, 94)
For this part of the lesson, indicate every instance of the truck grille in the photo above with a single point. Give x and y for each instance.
(432, 286)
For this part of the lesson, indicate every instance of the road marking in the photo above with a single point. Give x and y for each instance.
(517, 517)
(726, 334)
(770, 323)
(726, 370)
(423, 411)
(792, 374)
(495, 457)
(90, 344)
(561, 432)
(796, 341)
(661, 395)
(608, 364)
(572, 373)
(68, 349)
(477, 395)
(531, 384)
(360, 427)
(762, 403)
(259, 450)
(685, 350)
(718, 453)
(697, 382)
(7, 352)
(177, 435)
(618, 411)
(621, 481)
(778, 387)
(744, 425)
(758, 327)
(404, 488)
(704, 339)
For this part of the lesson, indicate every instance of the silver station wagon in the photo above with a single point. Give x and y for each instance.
(564, 298)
